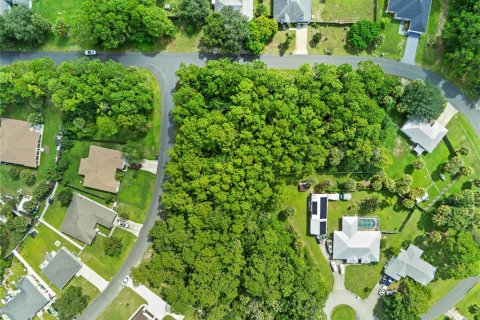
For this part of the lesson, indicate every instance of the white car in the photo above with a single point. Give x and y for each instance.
(122, 224)
(90, 52)
(341, 268)
(333, 265)
(390, 292)
(125, 280)
(382, 291)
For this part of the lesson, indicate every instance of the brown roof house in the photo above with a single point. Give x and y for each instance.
(20, 142)
(82, 218)
(100, 167)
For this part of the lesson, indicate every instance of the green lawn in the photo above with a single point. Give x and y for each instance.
(342, 11)
(14, 273)
(124, 305)
(8, 185)
(56, 212)
(135, 193)
(276, 45)
(333, 40)
(361, 279)
(430, 48)
(299, 224)
(440, 288)
(472, 297)
(343, 312)
(89, 289)
(104, 265)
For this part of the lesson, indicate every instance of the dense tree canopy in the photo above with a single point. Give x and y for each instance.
(423, 101)
(243, 131)
(226, 30)
(262, 29)
(71, 303)
(194, 12)
(21, 25)
(363, 34)
(461, 36)
(410, 301)
(112, 23)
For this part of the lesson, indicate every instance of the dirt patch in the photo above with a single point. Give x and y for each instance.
(398, 147)
(442, 18)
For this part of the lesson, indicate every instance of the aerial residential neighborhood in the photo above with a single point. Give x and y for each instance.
(239, 159)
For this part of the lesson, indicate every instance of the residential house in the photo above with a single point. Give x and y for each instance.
(292, 11)
(100, 168)
(61, 267)
(82, 217)
(318, 208)
(416, 12)
(244, 6)
(20, 142)
(355, 245)
(409, 264)
(426, 137)
(26, 304)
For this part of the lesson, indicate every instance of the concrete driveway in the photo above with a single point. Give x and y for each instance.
(149, 165)
(447, 115)
(411, 48)
(93, 277)
(301, 39)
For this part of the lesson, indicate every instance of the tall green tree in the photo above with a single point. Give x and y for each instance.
(194, 13)
(423, 101)
(262, 29)
(71, 303)
(363, 34)
(409, 302)
(226, 30)
(22, 26)
(112, 23)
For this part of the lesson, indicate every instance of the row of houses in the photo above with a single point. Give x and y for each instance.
(415, 12)
(358, 242)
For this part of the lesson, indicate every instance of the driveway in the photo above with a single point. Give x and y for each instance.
(301, 39)
(133, 227)
(411, 48)
(164, 65)
(149, 165)
(93, 277)
(447, 115)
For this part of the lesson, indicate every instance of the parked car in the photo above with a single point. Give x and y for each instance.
(390, 292)
(382, 291)
(341, 268)
(345, 196)
(384, 278)
(90, 52)
(122, 224)
(388, 281)
(442, 176)
(125, 280)
(303, 186)
(333, 196)
(167, 7)
(333, 265)
(329, 244)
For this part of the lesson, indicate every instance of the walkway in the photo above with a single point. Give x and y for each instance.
(33, 273)
(411, 48)
(156, 305)
(61, 234)
(451, 298)
(47, 204)
(444, 190)
(301, 39)
(93, 277)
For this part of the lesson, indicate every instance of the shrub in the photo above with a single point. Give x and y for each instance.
(29, 206)
(362, 34)
(113, 246)
(29, 177)
(418, 164)
(35, 118)
(454, 165)
(14, 172)
(464, 151)
(65, 197)
(466, 171)
(60, 28)
(42, 190)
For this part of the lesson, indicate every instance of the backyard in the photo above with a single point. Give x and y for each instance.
(342, 11)
(124, 305)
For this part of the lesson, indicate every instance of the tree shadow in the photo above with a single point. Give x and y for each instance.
(425, 223)
(409, 169)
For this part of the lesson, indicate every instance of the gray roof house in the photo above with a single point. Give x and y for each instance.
(244, 6)
(414, 11)
(356, 246)
(62, 267)
(82, 217)
(318, 208)
(409, 264)
(4, 6)
(426, 137)
(292, 11)
(27, 303)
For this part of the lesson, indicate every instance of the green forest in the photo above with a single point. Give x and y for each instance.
(244, 131)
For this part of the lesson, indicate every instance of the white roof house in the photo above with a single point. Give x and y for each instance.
(318, 207)
(425, 136)
(244, 6)
(356, 246)
(409, 264)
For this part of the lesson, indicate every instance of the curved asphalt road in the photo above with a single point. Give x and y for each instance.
(164, 65)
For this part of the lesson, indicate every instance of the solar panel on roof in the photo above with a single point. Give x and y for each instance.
(323, 208)
(323, 227)
(314, 208)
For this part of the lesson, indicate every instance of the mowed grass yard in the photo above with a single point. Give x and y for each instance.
(123, 306)
(472, 297)
(342, 11)
(104, 265)
(299, 224)
(343, 312)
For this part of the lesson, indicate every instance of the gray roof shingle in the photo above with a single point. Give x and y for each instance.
(426, 135)
(25, 304)
(62, 268)
(408, 263)
(292, 11)
(416, 11)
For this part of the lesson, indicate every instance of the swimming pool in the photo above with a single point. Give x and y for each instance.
(371, 223)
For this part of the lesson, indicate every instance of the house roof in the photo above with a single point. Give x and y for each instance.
(408, 263)
(244, 6)
(100, 167)
(4, 6)
(352, 245)
(27, 303)
(318, 207)
(292, 11)
(19, 144)
(416, 11)
(426, 135)
(82, 217)
(62, 268)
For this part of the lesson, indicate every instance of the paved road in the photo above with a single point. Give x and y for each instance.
(164, 65)
(451, 298)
